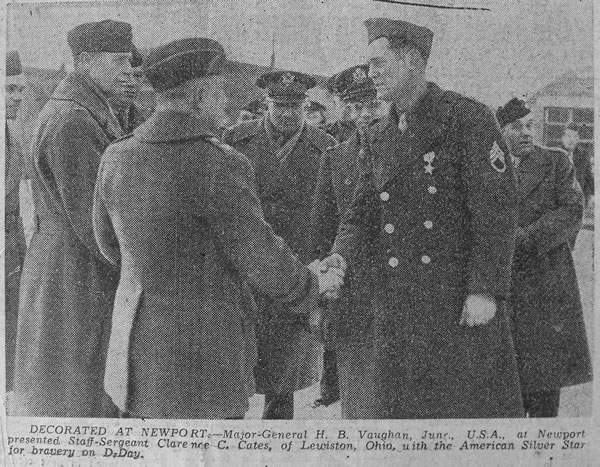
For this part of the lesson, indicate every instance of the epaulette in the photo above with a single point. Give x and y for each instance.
(122, 138)
(556, 149)
(220, 144)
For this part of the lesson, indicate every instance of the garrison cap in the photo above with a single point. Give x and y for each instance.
(13, 63)
(397, 30)
(313, 106)
(256, 106)
(103, 36)
(513, 110)
(182, 60)
(286, 86)
(354, 85)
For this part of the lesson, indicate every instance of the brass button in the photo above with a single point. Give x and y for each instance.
(428, 224)
(432, 190)
(393, 262)
(384, 195)
(389, 228)
(425, 259)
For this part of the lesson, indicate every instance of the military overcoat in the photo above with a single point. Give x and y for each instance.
(179, 211)
(549, 330)
(67, 287)
(287, 354)
(437, 209)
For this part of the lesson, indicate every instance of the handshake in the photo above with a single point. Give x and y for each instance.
(331, 272)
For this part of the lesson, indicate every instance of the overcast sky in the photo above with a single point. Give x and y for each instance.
(514, 49)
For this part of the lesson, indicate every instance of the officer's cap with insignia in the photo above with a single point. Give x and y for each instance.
(399, 33)
(354, 84)
(173, 64)
(13, 63)
(286, 86)
(102, 36)
(512, 111)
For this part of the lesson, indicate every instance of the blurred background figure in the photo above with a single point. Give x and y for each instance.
(14, 239)
(315, 114)
(253, 110)
(545, 304)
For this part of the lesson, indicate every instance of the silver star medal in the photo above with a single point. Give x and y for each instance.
(497, 158)
(428, 158)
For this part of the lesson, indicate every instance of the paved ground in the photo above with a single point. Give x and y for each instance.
(575, 401)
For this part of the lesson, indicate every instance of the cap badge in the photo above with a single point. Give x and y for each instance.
(287, 79)
(359, 75)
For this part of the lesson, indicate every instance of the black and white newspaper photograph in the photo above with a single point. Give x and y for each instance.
(299, 232)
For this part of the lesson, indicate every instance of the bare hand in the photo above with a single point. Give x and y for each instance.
(331, 282)
(334, 261)
(478, 309)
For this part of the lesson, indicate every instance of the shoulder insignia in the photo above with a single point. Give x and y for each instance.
(220, 144)
(127, 136)
(497, 158)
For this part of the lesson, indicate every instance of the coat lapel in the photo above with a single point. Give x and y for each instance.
(81, 89)
(531, 172)
(394, 151)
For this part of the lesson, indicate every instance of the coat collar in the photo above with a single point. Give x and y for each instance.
(172, 125)
(532, 170)
(81, 89)
(427, 122)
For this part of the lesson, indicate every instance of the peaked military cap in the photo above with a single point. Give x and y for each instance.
(354, 85)
(314, 106)
(330, 84)
(13, 63)
(397, 30)
(182, 60)
(256, 106)
(286, 86)
(103, 36)
(513, 110)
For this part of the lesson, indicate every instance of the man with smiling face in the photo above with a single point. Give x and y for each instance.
(435, 214)
(67, 287)
(549, 330)
(337, 178)
(285, 151)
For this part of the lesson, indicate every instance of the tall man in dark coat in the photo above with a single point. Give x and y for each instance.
(436, 209)
(178, 210)
(68, 287)
(14, 238)
(338, 174)
(285, 152)
(549, 331)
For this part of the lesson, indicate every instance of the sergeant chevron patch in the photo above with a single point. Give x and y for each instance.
(497, 158)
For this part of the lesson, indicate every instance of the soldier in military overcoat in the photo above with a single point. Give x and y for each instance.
(549, 330)
(337, 178)
(436, 208)
(14, 238)
(285, 152)
(67, 287)
(178, 210)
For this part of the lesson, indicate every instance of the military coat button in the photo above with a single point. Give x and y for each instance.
(384, 195)
(393, 262)
(428, 224)
(389, 228)
(425, 259)
(432, 190)
(347, 181)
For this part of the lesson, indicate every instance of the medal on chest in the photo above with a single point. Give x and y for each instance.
(428, 158)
